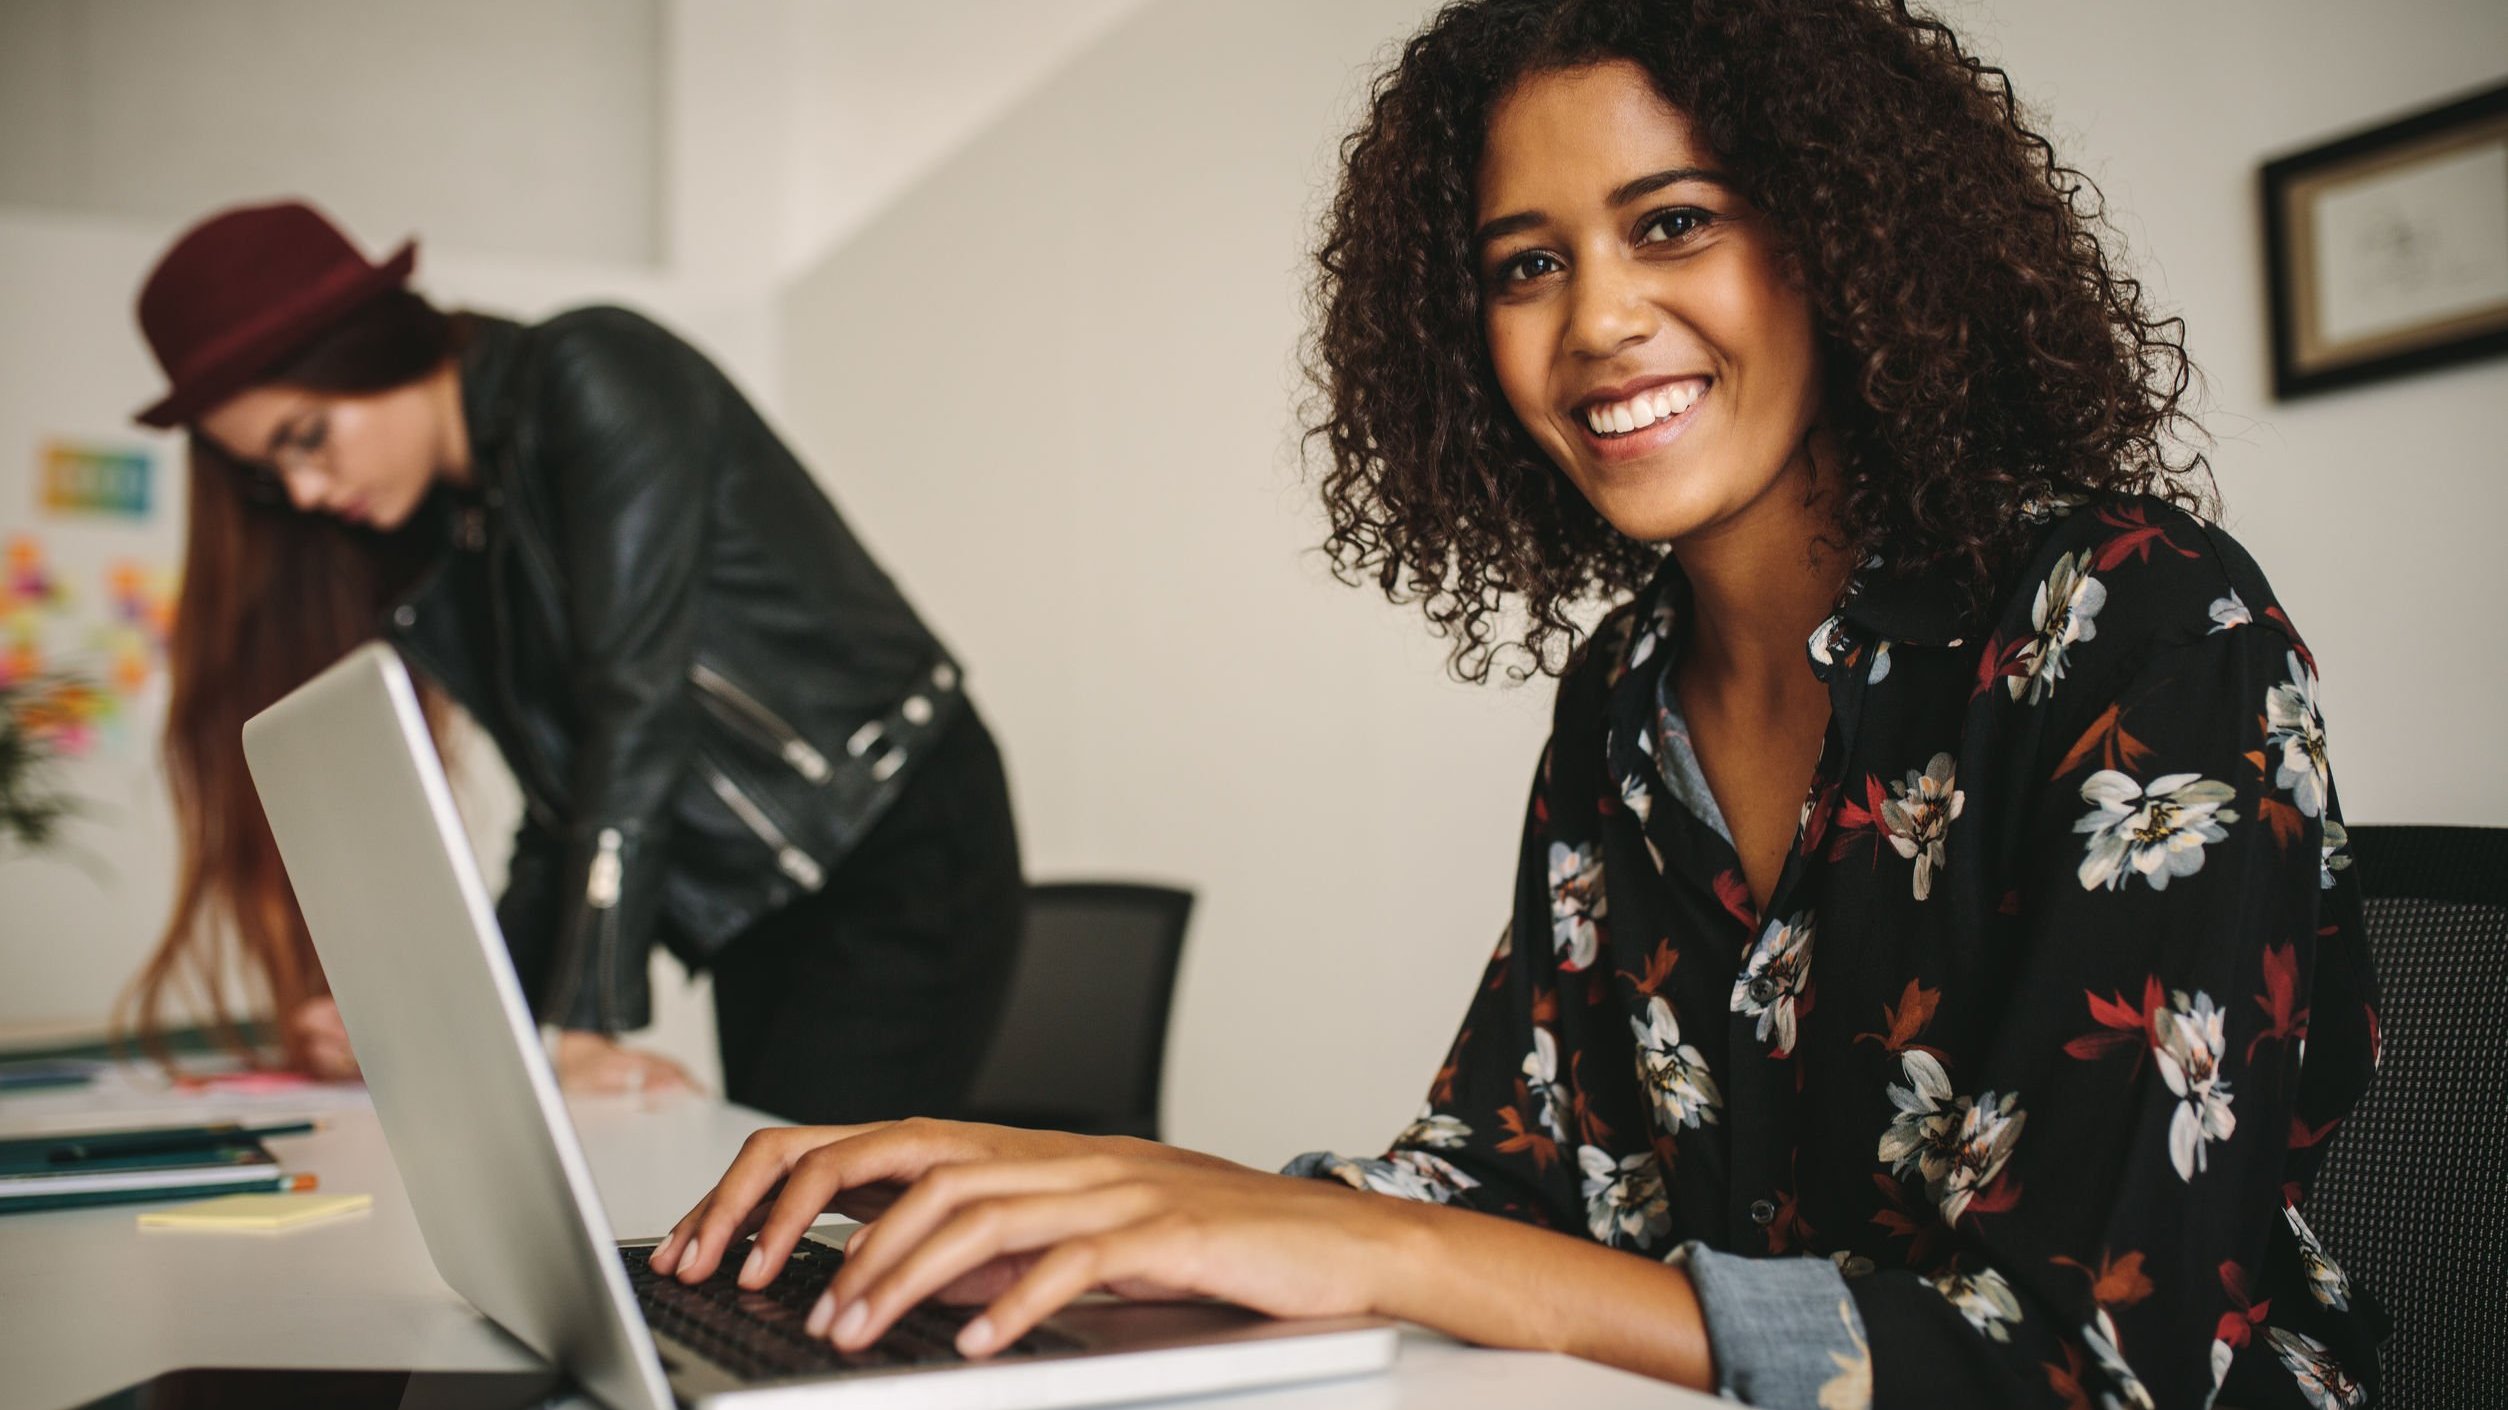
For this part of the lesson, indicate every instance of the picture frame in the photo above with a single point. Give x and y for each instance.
(2386, 251)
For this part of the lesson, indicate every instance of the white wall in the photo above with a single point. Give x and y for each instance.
(516, 126)
(1055, 378)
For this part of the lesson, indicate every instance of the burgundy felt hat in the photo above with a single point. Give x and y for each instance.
(243, 289)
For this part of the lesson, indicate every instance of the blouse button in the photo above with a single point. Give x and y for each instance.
(1762, 1211)
(404, 616)
(917, 710)
(1762, 989)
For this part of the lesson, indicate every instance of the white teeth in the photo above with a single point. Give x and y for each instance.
(1644, 409)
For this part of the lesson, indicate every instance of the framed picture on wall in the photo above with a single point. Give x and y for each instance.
(2387, 250)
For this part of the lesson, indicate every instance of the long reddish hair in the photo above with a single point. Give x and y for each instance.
(269, 597)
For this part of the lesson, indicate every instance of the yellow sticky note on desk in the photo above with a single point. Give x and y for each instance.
(270, 1211)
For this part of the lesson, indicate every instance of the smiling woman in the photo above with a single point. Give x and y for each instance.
(1934, 870)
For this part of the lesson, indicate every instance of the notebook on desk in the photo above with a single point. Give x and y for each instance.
(115, 1167)
(408, 939)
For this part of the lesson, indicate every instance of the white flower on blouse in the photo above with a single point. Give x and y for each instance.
(2065, 612)
(1830, 640)
(1987, 1131)
(2188, 1038)
(1638, 798)
(1624, 1199)
(1851, 1387)
(2334, 854)
(2294, 726)
(2048, 507)
(2321, 1378)
(1984, 1298)
(2327, 1282)
(1541, 1076)
(1673, 1074)
(1919, 1137)
(1576, 902)
(1918, 817)
(2230, 611)
(1411, 1175)
(2155, 833)
(1958, 1144)
(2127, 1388)
(1774, 979)
(1434, 1129)
(1659, 626)
(1826, 640)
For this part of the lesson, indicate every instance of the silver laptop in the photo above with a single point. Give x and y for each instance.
(408, 938)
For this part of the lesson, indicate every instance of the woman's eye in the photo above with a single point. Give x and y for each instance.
(1530, 265)
(315, 433)
(1678, 223)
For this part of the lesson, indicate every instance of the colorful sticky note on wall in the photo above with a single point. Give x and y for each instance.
(90, 479)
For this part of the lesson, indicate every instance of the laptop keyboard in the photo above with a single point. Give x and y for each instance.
(757, 1336)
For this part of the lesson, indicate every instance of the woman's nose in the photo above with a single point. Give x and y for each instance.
(1608, 310)
(307, 487)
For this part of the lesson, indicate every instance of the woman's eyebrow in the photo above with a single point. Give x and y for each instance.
(1505, 225)
(1647, 185)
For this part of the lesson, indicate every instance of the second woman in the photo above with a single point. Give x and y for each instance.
(734, 735)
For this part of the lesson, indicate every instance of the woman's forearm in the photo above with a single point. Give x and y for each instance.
(1499, 1283)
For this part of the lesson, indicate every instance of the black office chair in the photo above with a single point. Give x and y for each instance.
(1083, 1037)
(2413, 1197)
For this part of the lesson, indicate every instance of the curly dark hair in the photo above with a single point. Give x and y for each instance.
(1981, 347)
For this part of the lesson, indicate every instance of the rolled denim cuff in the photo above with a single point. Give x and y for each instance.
(1785, 1331)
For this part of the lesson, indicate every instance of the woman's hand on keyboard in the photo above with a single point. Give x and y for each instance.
(1025, 1221)
(784, 1178)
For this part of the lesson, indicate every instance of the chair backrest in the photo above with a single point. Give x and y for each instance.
(2413, 1197)
(1083, 1037)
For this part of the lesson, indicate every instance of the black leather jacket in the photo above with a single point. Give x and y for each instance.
(705, 686)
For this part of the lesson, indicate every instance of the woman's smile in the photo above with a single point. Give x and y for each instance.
(1634, 420)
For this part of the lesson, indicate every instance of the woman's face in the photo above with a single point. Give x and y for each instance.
(1645, 326)
(368, 458)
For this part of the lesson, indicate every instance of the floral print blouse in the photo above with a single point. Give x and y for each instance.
(2039, 1042)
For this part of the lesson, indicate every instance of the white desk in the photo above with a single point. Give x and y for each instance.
(89, 1302)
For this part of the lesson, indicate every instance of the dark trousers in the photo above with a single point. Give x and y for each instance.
(875, 997)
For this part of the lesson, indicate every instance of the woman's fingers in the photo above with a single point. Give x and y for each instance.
(975, 1235)
(667, 1253)
(940, 1195)
(901, 1153)
(1154, 1251)
(766, 1159)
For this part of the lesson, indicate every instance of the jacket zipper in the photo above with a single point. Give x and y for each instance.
(763, 723)
(604, 883)
(795, 863)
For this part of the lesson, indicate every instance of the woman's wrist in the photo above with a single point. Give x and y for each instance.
(1495, 1282)
(1409, 1255)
